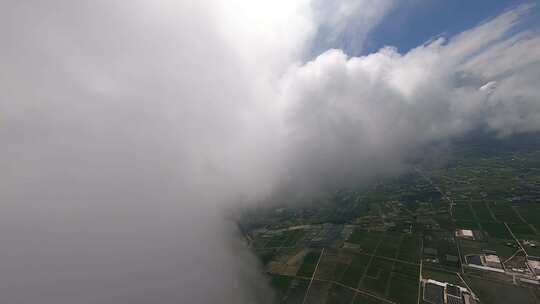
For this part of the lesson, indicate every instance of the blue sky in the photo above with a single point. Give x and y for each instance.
(413, 23)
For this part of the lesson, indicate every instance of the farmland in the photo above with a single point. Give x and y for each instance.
(378, 242)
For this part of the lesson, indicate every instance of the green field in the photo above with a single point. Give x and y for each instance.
(376, 236)
(309, 264)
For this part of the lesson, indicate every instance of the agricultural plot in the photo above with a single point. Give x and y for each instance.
(462, 212)
(284, 239)
(499, 293)
(481, 210)
(340, 295)
(364, 299)
(503, 247)
(410, 248)
(530, 212)
(403, 289)
(438, 246)
(318, 292)
(280, 284)
(355, 271)
(472, 247)
(408, 270)
(504, 212)
(377, 276)
(392, 280)
(466, 225)
(332, 265)
(309, 264)
(296, 292)
(389, 245)
(441, 276)
(293, 237)
(444, 221)
(496, 230)
(523, 231)
(368, 241)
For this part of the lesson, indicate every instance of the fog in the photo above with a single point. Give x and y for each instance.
(129, 127)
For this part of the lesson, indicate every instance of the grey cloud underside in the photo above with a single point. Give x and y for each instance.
(127, 129)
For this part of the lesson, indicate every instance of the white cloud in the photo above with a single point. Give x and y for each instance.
(363, 116)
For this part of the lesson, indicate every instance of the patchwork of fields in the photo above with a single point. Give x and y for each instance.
(378, 243)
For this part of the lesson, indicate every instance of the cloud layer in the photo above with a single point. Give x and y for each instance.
(355, 117)
(127, 129)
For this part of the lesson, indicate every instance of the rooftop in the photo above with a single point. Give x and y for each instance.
(434, 293)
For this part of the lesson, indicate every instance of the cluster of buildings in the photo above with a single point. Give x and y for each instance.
(489, 262)
(436, 292)
(529, 273)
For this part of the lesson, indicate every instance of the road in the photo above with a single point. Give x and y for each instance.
(420, 273)
(313, 276)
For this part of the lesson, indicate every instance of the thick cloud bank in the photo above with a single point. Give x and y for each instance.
(127, 127)
(354, 117)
